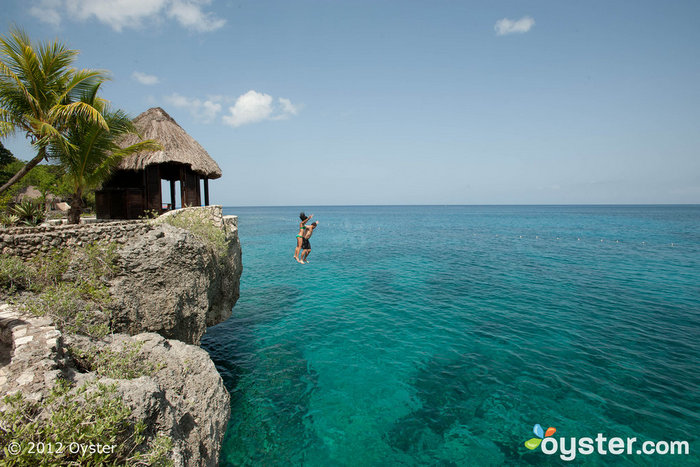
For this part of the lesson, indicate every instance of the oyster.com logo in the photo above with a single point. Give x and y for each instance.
(533, 443)
(569, 447)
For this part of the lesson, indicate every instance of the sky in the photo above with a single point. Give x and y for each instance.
(331, 102)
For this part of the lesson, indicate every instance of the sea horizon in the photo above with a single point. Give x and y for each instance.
(456, 204)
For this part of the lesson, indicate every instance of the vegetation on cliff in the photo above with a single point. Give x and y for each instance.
(69, 286)
(46, 431)
(105, 298)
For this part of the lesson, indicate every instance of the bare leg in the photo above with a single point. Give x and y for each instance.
(296, 251)
(305, 255)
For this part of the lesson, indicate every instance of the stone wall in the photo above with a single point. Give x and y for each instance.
(29, 241)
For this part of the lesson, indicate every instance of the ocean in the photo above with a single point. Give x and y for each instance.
(440, 335)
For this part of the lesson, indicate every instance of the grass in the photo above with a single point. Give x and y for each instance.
(203, 229)
(123, 363)
(69, 286)
(46, 431)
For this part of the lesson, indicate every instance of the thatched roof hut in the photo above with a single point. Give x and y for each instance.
(32, 193)
(178, 146)
(135, 185)
(28, 193)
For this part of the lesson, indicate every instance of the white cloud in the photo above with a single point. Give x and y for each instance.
(191, 16)
(508, 26)
(143, 78)
(204, 111)
(287, 107)
(251, 107)
(254, 107)
(120, 14)
(47, 11)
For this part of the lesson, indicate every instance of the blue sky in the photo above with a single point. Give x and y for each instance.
(405, 102)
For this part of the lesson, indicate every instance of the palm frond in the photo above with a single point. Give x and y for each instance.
(6, 129)
(141, 146)
(77, 110)
(81, 81)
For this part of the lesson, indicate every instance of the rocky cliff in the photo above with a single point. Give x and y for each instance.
(172, 279)
(180, 277)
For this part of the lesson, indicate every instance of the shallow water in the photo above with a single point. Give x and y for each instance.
(440, 335)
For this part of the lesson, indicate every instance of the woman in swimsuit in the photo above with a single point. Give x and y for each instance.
(300, 235)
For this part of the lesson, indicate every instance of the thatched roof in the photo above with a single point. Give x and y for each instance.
(27, 193)
(31, 193)
(178, 146)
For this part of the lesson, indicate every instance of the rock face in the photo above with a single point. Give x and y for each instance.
(177, 275)
(174, 283)
(32, 354)
(185, 398)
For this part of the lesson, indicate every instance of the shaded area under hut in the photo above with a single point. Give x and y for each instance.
(138, 182)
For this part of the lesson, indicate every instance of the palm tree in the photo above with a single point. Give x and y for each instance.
(39, 93)
(90, 150)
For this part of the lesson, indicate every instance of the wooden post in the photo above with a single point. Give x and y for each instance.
(183, 188)
(206, 191)
(172, 194)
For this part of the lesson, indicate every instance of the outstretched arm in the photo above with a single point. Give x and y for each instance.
(302, 223)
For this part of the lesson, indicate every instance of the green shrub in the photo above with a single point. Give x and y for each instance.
(14, 274)
(29, 212)
(33, 274)
(69, 286)
(124, 363)
(73, 307)
(101, 259)
(8, 220)
(203, 229)
(92, 414)
(48, 268)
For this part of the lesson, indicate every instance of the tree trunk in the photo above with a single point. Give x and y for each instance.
(76, 207)
(24, 170)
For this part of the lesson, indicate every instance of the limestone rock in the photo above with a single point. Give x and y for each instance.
(174, 283)
(184, 397)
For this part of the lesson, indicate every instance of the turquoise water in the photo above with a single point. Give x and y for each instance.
(440, 335)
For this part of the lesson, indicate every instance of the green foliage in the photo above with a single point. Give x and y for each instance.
(6, 158)
(29, 212)
(68, 285)
(73, 307)
(101, 260)
(14, 274)
(90, 150)
(43, 270)
(48, 267)
(40, 92)
(47, 178)
(203, 229)
(102, 417)
(8, 220)
(124, 363)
